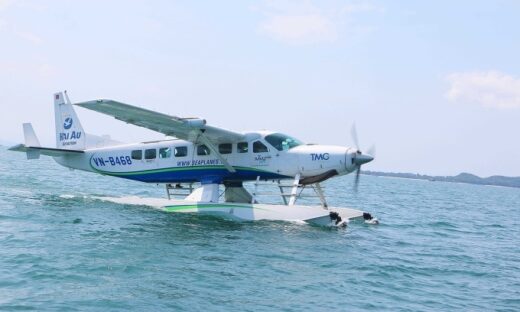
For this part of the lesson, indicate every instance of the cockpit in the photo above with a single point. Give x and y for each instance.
(282, 142)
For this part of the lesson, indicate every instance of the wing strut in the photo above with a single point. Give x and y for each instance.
(212, 147)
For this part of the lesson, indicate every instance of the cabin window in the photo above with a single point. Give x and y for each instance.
(259, 147)
(225, 148)
(165, 152)
(242, 147)
(181, 151)
(150, 154)
(203, 150)
(137, 155)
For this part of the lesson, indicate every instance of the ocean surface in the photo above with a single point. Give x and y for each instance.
(440, 246)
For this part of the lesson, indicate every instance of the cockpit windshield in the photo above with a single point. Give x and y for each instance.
(282, 142)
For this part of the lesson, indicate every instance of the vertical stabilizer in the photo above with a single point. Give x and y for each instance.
(69, 132)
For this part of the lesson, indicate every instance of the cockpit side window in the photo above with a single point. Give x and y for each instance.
(242, 147)
(259, 147)
(282, 142)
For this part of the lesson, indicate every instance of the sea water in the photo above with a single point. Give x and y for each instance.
(440, 246)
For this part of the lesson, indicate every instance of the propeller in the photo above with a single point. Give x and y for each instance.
(359, 158)
(353, 133)
(372, 150)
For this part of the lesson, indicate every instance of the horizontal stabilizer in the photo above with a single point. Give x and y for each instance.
(32, 151)
(30, 135)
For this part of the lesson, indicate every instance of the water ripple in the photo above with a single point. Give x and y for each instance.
(440, 246)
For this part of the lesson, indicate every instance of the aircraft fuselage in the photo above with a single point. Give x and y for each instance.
(179, 161)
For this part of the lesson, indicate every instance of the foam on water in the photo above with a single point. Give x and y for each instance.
(67, 196)
(440, 246)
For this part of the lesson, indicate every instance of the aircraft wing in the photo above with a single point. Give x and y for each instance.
(189, 129)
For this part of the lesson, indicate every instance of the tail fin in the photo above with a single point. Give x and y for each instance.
(69, 132)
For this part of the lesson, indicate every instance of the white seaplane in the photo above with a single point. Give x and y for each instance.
(210, 157)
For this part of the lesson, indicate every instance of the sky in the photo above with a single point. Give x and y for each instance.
(435, 85)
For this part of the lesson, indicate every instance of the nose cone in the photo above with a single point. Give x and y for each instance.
(361, 159)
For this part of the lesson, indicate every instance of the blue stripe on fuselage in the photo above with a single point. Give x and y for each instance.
(216, 175)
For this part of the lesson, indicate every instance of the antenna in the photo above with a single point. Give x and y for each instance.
(67, 97)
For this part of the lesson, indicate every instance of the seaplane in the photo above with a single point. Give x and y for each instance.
(203, 167)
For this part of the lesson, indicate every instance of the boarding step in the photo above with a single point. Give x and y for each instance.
(178, 190)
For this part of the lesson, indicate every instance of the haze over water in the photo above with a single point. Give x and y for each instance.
(440, 246)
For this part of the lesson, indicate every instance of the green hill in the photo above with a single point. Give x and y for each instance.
(461, 178)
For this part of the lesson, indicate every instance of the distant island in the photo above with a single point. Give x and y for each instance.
(461, 178)
(5, 143)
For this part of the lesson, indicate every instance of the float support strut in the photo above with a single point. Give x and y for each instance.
(294, 189)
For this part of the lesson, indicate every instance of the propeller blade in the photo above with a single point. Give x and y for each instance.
(356, 181)
(353, 133)
(360, 158)
(372, 151)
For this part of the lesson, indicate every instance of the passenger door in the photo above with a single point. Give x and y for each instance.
(261, 155)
